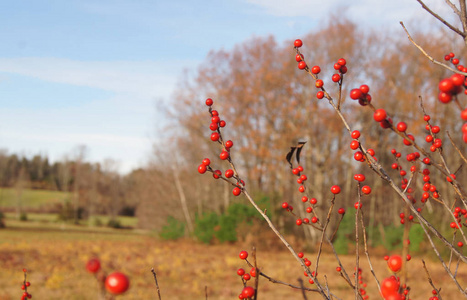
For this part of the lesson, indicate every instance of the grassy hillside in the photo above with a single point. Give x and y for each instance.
(31, 198)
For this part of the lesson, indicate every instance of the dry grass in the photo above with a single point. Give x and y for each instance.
(56, 260)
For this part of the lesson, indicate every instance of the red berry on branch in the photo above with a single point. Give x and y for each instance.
(379, 115)
(224, 155)
(444, 97)
(341, 211)
(298, 43)
(446, 85)
(355, 134)
(365, 89)
(243, 254)
(302, 65)
(236, 191)
(298, 58)
(315, 70)
(342, 61)
(229, 144)
(229, 173)
(401, 126)
(209, 102)
(366, 189)
(215, 136)
(202, 169)
(336, 77)
(395, 263)
(335, 189)
(356, 94)
(320, 95)
(319, 83)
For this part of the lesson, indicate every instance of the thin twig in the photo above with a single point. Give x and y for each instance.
(366, 251)
(157, 285)
(457, 148)
(431, 281)
(428, 56)
(300, 281)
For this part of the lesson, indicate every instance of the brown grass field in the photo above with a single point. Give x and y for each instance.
(56, 257)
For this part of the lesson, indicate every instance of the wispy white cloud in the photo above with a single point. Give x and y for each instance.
(143, 78)
(370, 12)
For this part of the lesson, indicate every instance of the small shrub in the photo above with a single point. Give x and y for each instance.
(114, 223)
(173, 230)
(23, 216)
(205, 227)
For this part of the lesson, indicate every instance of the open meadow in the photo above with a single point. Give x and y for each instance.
(55, 255)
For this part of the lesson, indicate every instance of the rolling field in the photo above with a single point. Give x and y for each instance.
(31, 198)
(56, 255)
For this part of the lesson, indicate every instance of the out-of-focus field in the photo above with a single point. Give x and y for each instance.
(56, 255)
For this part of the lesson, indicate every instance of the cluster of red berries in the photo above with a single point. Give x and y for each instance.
(451, 86)
(116, 283)
(307, 263)
(458, 214)
(391, 288)
(355, 145)
(362, 284)
(215, 125)
(25, 286)
(248, 292)
(361, 94)
(300, 180)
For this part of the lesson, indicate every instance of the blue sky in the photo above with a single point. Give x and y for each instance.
(92, 72)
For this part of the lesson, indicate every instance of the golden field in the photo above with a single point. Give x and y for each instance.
(55, 255)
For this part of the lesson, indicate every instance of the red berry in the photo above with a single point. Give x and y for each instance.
(117, 283)
(320, 95)
(336, 77)
(202, 169)
(246, 276)
(229, 173)
(356, 94)
(460, 244)
(315, 70)
(379, 115)
(355, 134)
(366, 189)
(243, 254)
(444, 97)
(464, 114)
(229, 144)
(335, 189)
(285, 205)
(446, 85)
(401, 126)
(298, 58)
(302, 65)
(214, 136)
(209, 102)
(342, 62)
(298, 43)
(236, 191)
(319, 83)
(216, 174)
(248, 292)
(93, 265)
(341, 211)
(314, 220)
(298, 222)
(240, 272)
(364, 88)
(395, 263)
(224, 155)
(354, 145)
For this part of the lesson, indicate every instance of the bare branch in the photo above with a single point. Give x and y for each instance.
(462, 34)
(428, 56)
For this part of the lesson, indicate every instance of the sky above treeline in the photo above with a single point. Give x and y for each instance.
(94, 73)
